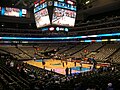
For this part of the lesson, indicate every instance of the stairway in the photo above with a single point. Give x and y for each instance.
(113, 53)
(30, 57)
(79, 50)
(13, 54)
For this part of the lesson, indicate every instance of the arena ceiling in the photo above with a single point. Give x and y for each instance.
(28, 3)
(82, 7)
(17, 3)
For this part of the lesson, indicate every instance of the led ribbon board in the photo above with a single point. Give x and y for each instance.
(59, 38)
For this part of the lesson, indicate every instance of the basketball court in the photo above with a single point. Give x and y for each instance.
(58, 66)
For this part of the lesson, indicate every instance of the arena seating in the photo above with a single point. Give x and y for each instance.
(10, 80)
(73, 50)
(64, 48)
(89, 48)
(106, 51)
(53, 47)
(39, 78)
(116, 57)
(35, 78)
(102, 51)
(15, 51)
(28, 49)
(22, 76)
(3, 52)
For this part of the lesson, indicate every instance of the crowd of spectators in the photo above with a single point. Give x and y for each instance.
(107, 78)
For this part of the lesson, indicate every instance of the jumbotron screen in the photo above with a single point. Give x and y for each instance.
(63, 17)
(8, 11)
(0, 10)
(12, 12)
(42, 18)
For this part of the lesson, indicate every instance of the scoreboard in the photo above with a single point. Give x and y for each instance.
(41, 14)
(42, 18)
(39, 6)
(54, 13)
(64, 5)
(63, 17)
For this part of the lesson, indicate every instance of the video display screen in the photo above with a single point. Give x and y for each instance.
(42, 18)
(39, 7)
(65, 5)
(12, 12)
(0, 10)
(8, 11)
(63, 17)
(24, 11)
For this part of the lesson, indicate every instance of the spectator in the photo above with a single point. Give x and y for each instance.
(109, 87)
